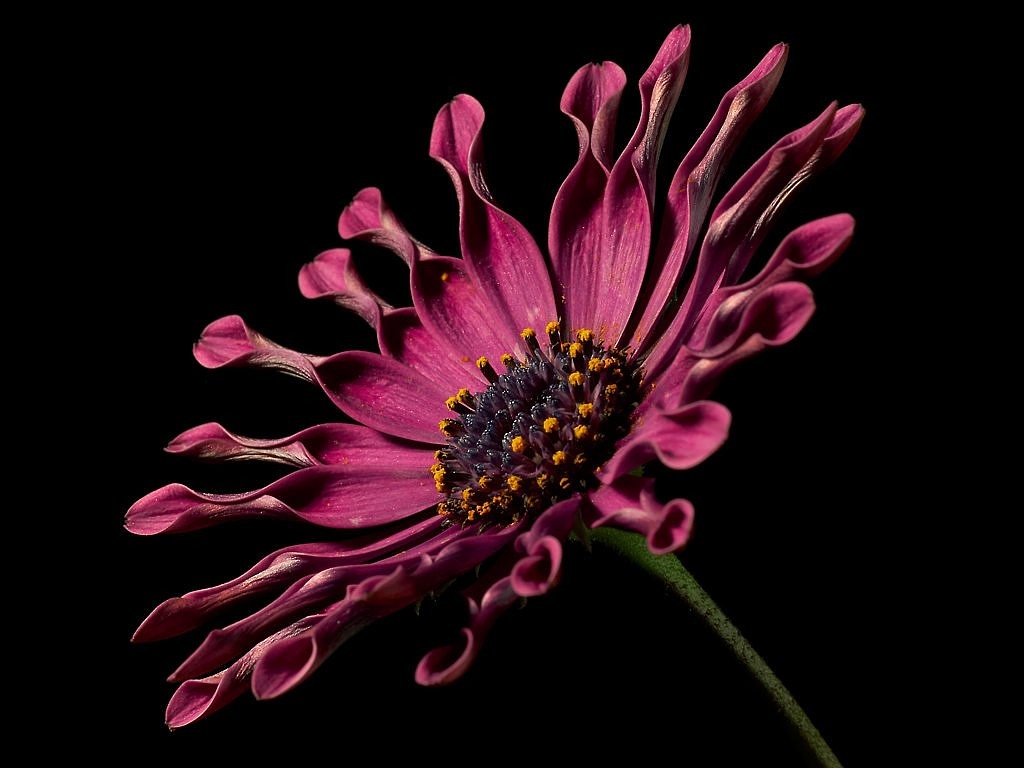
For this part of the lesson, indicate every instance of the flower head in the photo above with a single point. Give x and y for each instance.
(511, 404)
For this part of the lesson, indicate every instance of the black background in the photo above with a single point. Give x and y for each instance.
(234, 145)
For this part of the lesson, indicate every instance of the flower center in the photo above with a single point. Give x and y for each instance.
(538, 432)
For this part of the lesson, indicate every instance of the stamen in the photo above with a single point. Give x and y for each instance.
(530, 337)
(554, 331)
(485, 367)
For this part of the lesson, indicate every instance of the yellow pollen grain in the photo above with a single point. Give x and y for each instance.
(585, 409)
(552, 327)
(559, 457)
(447, 426)
(507, 359)
(444, 277)
(451, 402)
(580, 431)
(528, 333)
(576, 379)
(437, 455)
(575, 349)
(595, 365)
(484, 483)
(551, 424)
(467, 494)
(611, 389)
(470, 515)
(518, 444)
(584, 334)
(514, 482)
(463, 394)
(481, 362)
(543, 480)
(442, 509)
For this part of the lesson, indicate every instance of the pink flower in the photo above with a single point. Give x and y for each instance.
(511, 404)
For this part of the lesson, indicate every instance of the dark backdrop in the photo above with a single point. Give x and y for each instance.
(234, 145)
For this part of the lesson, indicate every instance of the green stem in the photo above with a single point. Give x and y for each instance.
(668, 569)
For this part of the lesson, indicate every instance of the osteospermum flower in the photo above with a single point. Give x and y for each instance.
(511, 404)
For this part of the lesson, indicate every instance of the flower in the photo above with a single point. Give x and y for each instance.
(512, 403)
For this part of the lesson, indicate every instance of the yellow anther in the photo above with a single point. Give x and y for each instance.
(564, 483)
(528, 333)
(553, 327)
(550, 424)
(575, 349)
(608, 362)
(470, 515)
(464, 394)
(584, 334)
(482, 362)
(532, 502)
(451, 402)
(559, 457)
(576, 379)
(580, 459)
(514, 482)
(585, 409)
(543, 480)
(442, 509)
(467, 494)
(595, 365)
(435, 468)
(610, 390)
(437, 455)
(485, 483)
(580, 431)
(518, 444)
(508, 360)
(450, 427)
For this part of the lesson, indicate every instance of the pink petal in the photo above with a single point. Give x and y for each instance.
(385, 395)
(502, 257)
(538, 572)
(322, 444)
(304, 596)
(614, 279)
(630, 504)
(195, 699)
(403, 336)
(180, 614)
(447, 300)
(591, 101)
(394, 486)
(681, 438)
(694, 183)
(290, 662)
(229, 342)
(333, 275)
(744, 216)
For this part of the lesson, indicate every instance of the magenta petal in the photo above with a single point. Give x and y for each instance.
(285, 566)
(322, 444)
(195, 699)
(385, 395)
(538, 572)
(391, 487)
(591, 101)
(230, 342)
(292, 661)
(630, 504)
(369, 218)
(618, 272)
(680, 439)
(502, 257)
(311, 593)
(403, 336)
(695, 181)
(448, 663)
(333, 275)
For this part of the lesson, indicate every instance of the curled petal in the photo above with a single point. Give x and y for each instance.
(616, 277)
(591, 101)
(333, 275)
(680, 438)
(630, 503)
(557, 521)
(502, 257)
(369, 218)
(538, 572)
(195, 699)
(354, 495)
(285, 566)
(303, 597)
(448, 663)
(695, 181)
(322, 444)
(229, 342)
(290, 662)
